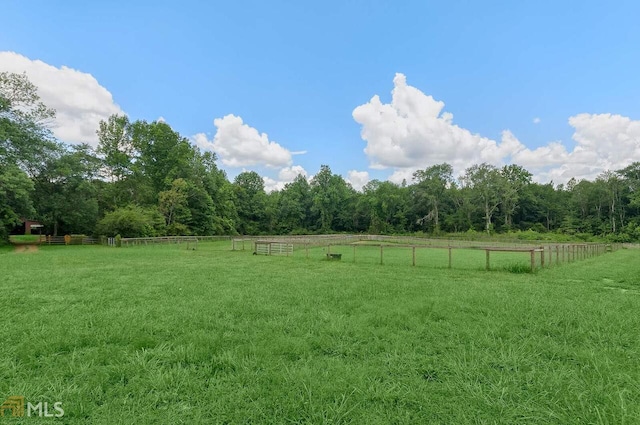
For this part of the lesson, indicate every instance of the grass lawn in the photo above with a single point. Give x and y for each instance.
(162, 335)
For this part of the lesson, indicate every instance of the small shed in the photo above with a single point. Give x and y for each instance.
(27, 227)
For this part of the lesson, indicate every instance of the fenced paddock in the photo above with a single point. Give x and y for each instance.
(403, 250)
(432, 253)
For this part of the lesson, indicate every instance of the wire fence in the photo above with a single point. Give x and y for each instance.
(517, 256)
(382, 250)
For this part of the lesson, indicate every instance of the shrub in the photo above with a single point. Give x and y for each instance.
(131, 222)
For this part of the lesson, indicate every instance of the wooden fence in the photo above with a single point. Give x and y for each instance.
(67, 240)
(273, 248)
(126, 242)
(539, 256)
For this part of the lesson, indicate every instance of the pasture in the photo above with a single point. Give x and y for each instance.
(161, 334)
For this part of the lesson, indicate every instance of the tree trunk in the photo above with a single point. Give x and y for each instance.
(436, 218)
(613, 214)
(487, 217)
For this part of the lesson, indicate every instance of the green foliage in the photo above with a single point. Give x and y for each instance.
(15, 199)
(131, 222)
(71, 188)
(25, 140)
(251, 203)
(173, 204)
(65, 195)
(330, 195)
(163, 155)
(116, 147)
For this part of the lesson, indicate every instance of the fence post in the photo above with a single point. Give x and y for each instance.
(550, 259)
(380, 254)
(533, 260)
(542, 257)
(449, 257)
(414, 255)
(354, 253)
(557, 255)
(487, 267)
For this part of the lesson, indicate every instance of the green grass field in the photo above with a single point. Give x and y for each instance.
(162, 335)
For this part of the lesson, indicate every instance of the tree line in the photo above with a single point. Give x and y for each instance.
(145, 179)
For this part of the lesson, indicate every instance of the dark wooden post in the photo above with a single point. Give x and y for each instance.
(557, 254)
(414, 255)
(573, 253)
(449, 257)
(533, 260)
(487, 265)
(380, 254)
(542, 257)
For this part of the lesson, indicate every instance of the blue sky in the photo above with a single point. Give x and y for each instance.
(297, 70)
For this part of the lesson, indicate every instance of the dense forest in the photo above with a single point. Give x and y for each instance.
(145, 179)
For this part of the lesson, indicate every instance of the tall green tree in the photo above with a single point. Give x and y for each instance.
(162, 155)
(251, 202)
(614, 189)
(65, 195)
(25, 145)
(173, 204)
(25, 139)
(16, 189)
(486, 184)
(115, 146)
(294, 206)
(431, 187)
(329, 193)
(515, 179)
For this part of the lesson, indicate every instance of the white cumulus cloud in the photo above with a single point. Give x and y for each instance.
(289, 174)
(536, 120)
(358, 178)
(412, 132)
(79, 100)
(239, 145)
(285, 175)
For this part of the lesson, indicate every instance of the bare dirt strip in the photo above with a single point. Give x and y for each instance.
(25, 249)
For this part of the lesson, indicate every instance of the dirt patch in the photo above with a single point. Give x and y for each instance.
(26, 248)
